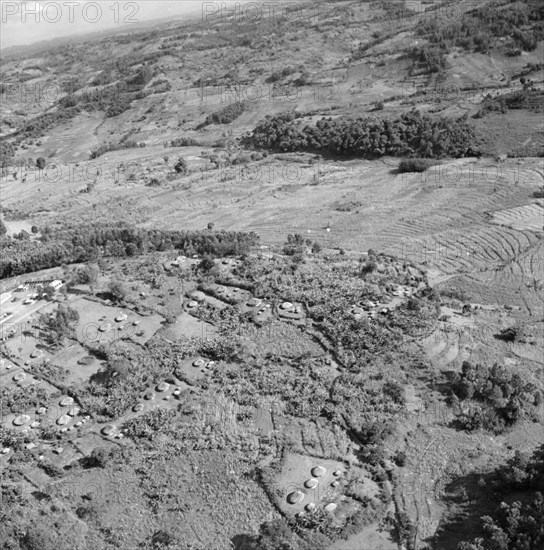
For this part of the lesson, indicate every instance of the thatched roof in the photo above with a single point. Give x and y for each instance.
(318, 471)
(295, 497)
(64, 419)
(21, 420)
(108, 430)
(65, 401)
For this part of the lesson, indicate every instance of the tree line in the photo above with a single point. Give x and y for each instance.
(82, 243)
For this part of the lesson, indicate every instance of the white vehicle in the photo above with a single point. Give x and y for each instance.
(28, 301)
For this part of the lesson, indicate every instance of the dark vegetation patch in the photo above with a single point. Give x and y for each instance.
(493, 398)
(414, 165)
(226, 115)
(79, 243)
(479, 29)
(529, 99)
(512, 496)
(410, 135)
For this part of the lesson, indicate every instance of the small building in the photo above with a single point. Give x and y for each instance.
(318, 471)
(295, 497)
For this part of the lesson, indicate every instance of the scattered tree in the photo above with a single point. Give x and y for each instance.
(118, 290)
(181, 166)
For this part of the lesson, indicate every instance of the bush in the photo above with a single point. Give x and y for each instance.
(400, 458)
(118, 290)
(181, 166)
(206, 264)
(183, 142)
(99, 457)
(227, 115)
(131, 144)
(414, 165)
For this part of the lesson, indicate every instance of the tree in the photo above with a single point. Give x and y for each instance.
(99, 457)
(275, 535)
(87, 275)
(40, 163)
(3, 228)
(131, 249)
(181, 166)
(102, 265)
(48, 292)
(118, 290)
(206, 264)
(61, 323)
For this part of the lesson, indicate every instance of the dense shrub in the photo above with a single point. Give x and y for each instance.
(181, 166)
(414, 165)
(131, 144)
(141, 78)
(279, 74)
(226, 115)
(182, 142)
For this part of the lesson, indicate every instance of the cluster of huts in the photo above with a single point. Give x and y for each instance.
(313, 483)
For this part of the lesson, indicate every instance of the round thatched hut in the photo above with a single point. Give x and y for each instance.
(21, 420)
(318, 471)
(311, 483)
(295, 497)
(66, 401)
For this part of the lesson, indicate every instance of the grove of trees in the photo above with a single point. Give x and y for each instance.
(410, 135)
(502, 398)
(517, 525)
(83, 243)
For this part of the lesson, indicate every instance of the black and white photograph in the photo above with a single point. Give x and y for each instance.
(272, 275)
